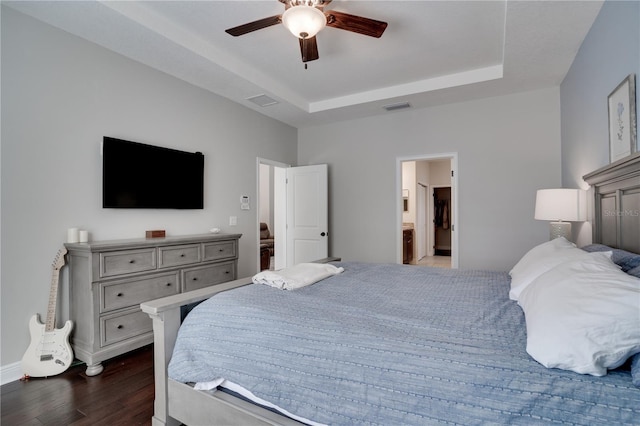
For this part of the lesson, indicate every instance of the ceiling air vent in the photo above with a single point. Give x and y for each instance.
(395, 107)
(262, 100)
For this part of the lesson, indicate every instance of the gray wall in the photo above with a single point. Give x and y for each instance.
(508, 147)
(60, 96)
(609, 53)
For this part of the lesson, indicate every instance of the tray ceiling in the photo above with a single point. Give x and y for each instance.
(432, 52)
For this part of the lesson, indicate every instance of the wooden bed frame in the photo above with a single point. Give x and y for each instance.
(616, 196)
(616, 222)
(176, 402)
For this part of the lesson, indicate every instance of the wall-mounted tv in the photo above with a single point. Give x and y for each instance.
(141, 176)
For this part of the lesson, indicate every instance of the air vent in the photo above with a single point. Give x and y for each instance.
(394, 107)
(262, 100)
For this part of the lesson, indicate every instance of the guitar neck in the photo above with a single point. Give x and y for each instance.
(53, 300)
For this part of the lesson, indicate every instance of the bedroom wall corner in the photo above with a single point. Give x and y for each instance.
(609, 52)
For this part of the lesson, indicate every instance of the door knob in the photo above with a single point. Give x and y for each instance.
(322, 234)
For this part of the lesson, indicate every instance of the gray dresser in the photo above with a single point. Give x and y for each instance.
(109, 279)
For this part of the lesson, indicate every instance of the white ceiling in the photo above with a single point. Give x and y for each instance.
(432, 52)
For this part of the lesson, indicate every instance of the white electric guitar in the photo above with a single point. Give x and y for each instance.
(49, 352)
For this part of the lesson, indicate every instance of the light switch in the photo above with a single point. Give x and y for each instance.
(233, 220)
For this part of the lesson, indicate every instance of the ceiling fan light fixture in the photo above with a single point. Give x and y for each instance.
(304, 21)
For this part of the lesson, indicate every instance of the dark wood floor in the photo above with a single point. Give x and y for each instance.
(121, 395)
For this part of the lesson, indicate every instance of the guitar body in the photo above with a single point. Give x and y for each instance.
(49, 352)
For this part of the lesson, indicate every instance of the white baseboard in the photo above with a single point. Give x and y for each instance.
(10, 373)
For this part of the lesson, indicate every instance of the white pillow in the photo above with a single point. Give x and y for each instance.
(583, 316)
(540, 259)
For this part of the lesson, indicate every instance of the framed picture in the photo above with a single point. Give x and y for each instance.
(622, 119)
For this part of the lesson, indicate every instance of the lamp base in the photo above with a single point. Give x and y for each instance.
(560, 229)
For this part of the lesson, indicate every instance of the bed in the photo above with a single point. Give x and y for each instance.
(398, 344)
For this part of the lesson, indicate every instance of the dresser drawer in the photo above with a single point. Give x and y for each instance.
(221, 250)
(178, 255)
(205, 276)
(127, 261)
(122, 294)
(116, 328)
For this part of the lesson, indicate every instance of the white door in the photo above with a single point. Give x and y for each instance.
(307, 214)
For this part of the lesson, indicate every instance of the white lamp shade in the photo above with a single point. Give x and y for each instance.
(561, 204)
(304, 21)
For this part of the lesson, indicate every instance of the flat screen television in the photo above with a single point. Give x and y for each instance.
(141, 176)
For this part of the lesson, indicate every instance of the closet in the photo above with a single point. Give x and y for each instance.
(442, 221)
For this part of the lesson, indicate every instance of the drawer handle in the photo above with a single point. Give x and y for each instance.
(220, 250)
(182, 255)
(120, 295)
(120, 327)
(195, 278)
(132, 261)
(168, 284)
(227, 272)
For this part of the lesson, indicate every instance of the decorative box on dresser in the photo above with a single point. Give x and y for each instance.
(109, 279)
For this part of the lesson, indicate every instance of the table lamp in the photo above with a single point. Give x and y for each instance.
(561, 206)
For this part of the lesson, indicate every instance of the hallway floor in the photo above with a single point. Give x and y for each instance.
(437, 261)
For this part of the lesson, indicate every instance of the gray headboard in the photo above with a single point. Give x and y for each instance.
(616, 189)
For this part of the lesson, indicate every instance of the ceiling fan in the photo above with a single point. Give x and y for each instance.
(305, 18)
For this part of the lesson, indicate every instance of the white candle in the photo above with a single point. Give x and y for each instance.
(72, 235)
(83, 236)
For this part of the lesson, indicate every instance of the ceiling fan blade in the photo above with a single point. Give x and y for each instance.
(356, 24)
(254, 26)
(309, 49)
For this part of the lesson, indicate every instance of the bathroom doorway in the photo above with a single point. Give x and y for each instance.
(427, 213)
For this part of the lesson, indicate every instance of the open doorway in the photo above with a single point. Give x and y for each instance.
(270, 215)
(428, 210)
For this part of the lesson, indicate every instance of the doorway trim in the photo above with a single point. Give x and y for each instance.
(451, 156)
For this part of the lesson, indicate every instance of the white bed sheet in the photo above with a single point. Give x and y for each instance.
(234, 387)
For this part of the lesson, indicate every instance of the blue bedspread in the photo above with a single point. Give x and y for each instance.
(392, 345)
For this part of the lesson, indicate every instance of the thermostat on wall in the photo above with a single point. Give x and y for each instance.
(244, 202)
